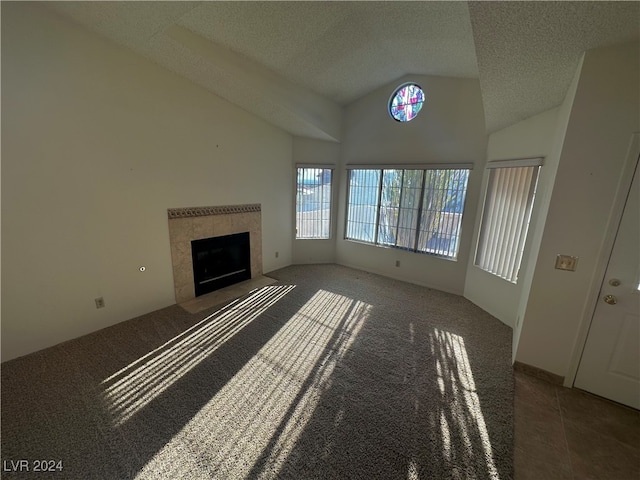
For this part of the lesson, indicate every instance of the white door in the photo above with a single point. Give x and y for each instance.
(610, 364)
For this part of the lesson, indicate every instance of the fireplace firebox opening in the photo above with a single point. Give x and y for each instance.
(220, 261)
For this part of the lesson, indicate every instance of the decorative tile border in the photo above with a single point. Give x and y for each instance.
(205, 211)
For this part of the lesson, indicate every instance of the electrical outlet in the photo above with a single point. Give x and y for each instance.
(277, 254)
(99, 302)
(397, 263)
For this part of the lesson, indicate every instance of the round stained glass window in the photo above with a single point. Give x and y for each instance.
(406, 102)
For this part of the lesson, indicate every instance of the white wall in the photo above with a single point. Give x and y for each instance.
(97, 143)
(449, 129)
(605, 112)
(291, 106)
(532, 137)
(317, 152)
(541, 207)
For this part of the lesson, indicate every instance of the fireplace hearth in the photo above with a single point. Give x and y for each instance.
(220, 261)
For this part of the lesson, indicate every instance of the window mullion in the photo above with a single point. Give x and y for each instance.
(440, 189)
(400, 195)
(359, 196)
(429, 215)
(420, 202)
(447, 220)
(348, 197)
(379, 202)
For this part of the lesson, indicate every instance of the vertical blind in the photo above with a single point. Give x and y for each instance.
(506, 215)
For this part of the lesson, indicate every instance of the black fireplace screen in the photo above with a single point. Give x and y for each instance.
(220, 261)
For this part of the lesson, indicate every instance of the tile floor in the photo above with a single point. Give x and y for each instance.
(563, 433)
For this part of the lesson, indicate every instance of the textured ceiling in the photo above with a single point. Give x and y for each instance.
(343, 50)
(528, 52)
(300, 62)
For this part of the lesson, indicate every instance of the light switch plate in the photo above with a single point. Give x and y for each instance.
(566, 262)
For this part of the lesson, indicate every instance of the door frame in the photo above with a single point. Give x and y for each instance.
(615, 216)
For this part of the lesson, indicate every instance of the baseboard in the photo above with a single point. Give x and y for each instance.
(401, 279)
(539, 373)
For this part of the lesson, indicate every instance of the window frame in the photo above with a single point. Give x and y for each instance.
(509, 272)
(417, 232)
(331, 197)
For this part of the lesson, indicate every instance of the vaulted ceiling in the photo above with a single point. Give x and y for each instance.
(296, 64)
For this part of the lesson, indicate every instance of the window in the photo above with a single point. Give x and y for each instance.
(505, 219)
(415, 209)
(313, 202)
(405, 102)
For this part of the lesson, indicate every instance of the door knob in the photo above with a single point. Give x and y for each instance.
(610, 299)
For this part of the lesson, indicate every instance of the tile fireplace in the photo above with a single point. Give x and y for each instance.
(193, 225)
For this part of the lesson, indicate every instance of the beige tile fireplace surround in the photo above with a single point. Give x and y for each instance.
(195, 223)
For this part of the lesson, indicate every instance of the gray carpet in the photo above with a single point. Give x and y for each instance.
(330, 373)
